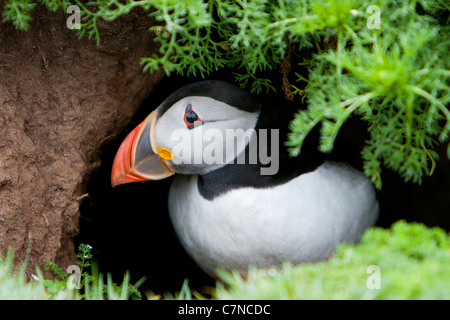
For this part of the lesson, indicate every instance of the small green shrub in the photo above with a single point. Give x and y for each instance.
(91, 285)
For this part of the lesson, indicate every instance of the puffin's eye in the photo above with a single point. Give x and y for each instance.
(191, 118)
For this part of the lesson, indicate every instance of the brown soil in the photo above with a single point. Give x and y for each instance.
(61, 99)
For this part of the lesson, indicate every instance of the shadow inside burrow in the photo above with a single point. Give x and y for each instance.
(129, 227)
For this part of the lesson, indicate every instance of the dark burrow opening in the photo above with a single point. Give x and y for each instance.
(129, 226)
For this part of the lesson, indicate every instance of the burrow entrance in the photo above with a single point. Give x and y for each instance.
(129, 226)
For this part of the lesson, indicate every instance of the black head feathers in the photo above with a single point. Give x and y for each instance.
(218, 90)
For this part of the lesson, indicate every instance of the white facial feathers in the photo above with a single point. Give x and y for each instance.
(224, 134)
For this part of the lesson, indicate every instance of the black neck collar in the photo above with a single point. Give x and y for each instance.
(233, 176)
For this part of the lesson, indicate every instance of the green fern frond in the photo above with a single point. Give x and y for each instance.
(18, 12)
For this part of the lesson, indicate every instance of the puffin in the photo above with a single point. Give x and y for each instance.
(238, 199)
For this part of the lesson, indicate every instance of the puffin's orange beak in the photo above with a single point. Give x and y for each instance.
(139, 158)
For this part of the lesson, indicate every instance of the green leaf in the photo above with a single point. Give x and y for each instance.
(19, 13)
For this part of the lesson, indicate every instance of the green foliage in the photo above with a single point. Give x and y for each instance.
(91, 284)
(413, 260)
(95, 288)
(14, 285)
(395, 78)
(18, 12)
(53, 287)
(184, 294)
(84, 258)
